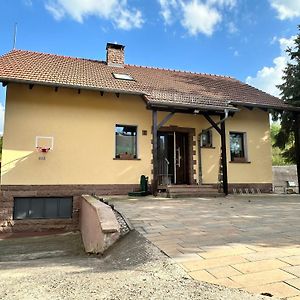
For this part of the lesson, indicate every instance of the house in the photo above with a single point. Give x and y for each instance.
(75, 126)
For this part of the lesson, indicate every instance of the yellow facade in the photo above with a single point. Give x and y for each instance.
(83, 128)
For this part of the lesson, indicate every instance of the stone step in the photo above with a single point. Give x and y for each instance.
(192, 190)
(202, 186)
(204, 190)
(195, 195)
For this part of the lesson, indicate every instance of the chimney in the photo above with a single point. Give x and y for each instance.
(115, 55)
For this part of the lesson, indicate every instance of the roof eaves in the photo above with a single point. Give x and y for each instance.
(193, 106)
(54, 84)
(284, 106)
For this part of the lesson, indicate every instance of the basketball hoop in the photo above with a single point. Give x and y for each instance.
(42, 149)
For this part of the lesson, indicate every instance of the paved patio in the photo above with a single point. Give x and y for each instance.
(248, 242)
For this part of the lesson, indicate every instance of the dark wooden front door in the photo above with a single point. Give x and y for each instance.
(182, 158)
(173, 158)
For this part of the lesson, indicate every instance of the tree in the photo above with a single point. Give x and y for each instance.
(277, 158)
(290, 93)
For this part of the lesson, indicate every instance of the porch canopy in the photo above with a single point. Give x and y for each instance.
(193, 104)
(162, 90)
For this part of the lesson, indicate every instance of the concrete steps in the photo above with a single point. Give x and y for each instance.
(189, 191)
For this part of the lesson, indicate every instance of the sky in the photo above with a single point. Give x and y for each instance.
(245, 39)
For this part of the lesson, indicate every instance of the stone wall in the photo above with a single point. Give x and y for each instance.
(99, 226)
(282, 174)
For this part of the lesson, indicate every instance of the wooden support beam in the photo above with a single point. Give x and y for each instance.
(297, 146)
(79, 91)
(154, 153)
(213, 124)
(31, 86)
(165, 120)
(224, 157)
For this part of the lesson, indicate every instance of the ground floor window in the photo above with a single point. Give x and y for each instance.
(126, 141)
(238, 146)
(42, 207)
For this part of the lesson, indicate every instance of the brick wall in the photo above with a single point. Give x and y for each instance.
(8, 192)
(115, 56)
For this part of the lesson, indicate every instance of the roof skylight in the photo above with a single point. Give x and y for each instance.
(122, 76)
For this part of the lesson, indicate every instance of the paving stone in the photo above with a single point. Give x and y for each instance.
(294, 298)
(260, 278)
(222, 272)
(278, 289)
(294, 282)
(265, 255)
(203, 275)
(190, 250)
(267, 226)
(186, 257)
(295, 270)
(227, 282)
(262, 265)
(292, 260)
(226, 252)
(213, 262)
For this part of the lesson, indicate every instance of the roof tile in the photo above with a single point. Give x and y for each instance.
(158, 85)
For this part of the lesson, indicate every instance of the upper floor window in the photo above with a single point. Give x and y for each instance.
(126, 141)
(238, 146)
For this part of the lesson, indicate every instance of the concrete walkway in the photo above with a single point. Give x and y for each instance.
(248, 242)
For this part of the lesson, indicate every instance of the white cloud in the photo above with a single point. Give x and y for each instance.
(167, 9)
(232, 28)
(228, 3)
(196, 16)
(286, 9)
(200, 18)
(115, 10)
(267, 78)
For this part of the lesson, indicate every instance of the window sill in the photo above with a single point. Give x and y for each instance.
(207, 147)
(240, 162)
(115, 158)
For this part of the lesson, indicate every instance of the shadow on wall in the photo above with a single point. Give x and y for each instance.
(22, 156)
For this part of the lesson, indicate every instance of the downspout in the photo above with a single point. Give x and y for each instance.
(226, 111)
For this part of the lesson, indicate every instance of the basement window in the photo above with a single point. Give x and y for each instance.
(42, 208)
(122, 76)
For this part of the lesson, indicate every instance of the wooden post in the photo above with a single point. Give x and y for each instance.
(154, 153)
(297, 146)
(224, 157)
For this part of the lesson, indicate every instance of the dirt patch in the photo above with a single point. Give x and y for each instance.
(132, 269)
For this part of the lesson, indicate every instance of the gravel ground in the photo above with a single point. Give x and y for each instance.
(56, 268)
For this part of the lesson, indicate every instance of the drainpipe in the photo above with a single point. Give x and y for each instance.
(226, 111)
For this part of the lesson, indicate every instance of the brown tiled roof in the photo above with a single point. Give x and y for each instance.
(159, 86)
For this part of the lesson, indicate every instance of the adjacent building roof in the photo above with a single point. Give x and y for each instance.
(159, 87)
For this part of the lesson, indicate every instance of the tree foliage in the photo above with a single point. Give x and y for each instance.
(290, 93)
(277, 158)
